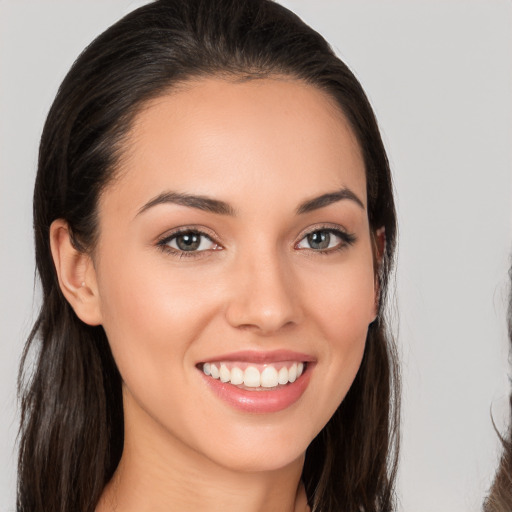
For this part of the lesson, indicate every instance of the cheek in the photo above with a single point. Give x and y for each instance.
(143, 291)
(344, 320)
(152, 318)
(344, 301)
(342, 312)
(151, 315)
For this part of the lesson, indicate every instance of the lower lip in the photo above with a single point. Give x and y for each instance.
(262, 401)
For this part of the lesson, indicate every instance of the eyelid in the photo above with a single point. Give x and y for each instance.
(327, 226)
(186, 228)
(164, 239)
(347, 238)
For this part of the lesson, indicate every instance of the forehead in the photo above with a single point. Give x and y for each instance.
(213, 136)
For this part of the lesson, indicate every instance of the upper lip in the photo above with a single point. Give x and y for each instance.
(261, 357)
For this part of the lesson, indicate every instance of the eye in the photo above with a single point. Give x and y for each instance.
(326, 240)
(189, 241)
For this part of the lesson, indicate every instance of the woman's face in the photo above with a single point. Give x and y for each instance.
(236, 243)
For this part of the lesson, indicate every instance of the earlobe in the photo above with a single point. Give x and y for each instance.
(76, 274)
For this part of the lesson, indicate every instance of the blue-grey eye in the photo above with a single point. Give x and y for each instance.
(321, 240)
(189, 241)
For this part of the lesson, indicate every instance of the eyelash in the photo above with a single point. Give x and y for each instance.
(163, 244)
(347, 239)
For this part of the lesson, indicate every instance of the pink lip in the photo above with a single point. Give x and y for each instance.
(253, 356)
(265, 401)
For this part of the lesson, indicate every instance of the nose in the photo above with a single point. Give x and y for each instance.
(264, 296)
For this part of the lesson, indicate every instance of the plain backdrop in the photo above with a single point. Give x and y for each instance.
(439, 75)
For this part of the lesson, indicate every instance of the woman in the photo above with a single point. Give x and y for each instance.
(215, 229)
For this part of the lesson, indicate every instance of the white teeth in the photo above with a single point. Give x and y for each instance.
(214, 371)
(292, 373)
(237, 376)
(283, 376)
(269, 377)
(224, 373)
(251, 377)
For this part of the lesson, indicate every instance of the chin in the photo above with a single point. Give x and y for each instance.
(263, 462)
(261, 451)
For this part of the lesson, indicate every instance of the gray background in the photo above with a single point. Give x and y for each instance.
(439, 74)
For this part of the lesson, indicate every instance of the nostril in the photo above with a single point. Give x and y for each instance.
(253, 316)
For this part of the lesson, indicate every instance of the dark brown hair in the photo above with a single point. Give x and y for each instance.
(71, 436)
(500, 495)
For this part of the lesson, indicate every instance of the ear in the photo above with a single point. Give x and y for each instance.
(76, 274)
(379, 248)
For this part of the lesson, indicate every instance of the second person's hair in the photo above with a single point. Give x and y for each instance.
(500, 495)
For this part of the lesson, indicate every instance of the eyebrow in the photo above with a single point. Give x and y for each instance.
(210, 205)
(204, 203)
(327, 199)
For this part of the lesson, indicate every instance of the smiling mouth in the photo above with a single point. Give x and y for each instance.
(255, 377)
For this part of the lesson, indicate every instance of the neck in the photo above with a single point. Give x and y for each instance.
(157, 473)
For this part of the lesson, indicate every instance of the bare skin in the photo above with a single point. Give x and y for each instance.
(257, 282)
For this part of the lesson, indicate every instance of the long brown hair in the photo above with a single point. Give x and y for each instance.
(71, 435)
(500, 495)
